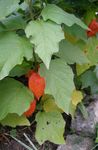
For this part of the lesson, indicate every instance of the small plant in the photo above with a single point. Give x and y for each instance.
(48, 58)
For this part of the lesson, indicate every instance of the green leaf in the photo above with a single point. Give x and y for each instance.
(59, 83)
(71, 53)
(14, 120)
(83, 110)
(13, 49)
(72, 110)
(49, 104)
(82, 68)
(80, 34)
(91, 50)
(50, 126)
(59, 16)
(14, 22)
(77, 97)
(20, 70)
(89, 79)
(7, 7)
(46, 37)
(14, 97)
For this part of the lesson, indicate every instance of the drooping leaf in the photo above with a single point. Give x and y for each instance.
(71, 53)
(59, 83)
(46, 37)
(13, 49)
(7, 7)
(56, 14)
(89, 79)
(14, 97)
(50, 126)
(14, 120)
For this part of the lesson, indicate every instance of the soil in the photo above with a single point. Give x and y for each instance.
(7, 143)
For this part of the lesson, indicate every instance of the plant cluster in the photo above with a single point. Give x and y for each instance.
(48, 60)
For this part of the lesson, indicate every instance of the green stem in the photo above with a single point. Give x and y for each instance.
(35, 61)
(30, 8)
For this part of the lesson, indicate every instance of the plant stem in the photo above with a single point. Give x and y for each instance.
(35, 61)
(30, 8)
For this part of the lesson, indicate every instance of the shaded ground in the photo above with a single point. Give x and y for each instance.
(7, 143)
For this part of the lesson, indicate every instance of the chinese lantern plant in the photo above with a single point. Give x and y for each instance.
(44, 47)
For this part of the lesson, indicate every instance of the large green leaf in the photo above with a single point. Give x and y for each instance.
(50, 126)
(7, 7)
(14, 120)
(80, 34)
(59, 16)
(91, 50)
(59, 83)
(46, 37)
(14, 97)
(71, 53)
(12, 51)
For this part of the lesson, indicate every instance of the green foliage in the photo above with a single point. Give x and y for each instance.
(89, 79)
(46, 37)
(47, 40)
(59, 16)
(58, 83)
(7, 7)
(13, 120)
(12, 51)
(14, 97)
(50, 126)
(66, 52)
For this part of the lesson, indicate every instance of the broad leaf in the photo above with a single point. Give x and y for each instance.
(12, 51)
(59, 83)
(7, 7)
(46, 37)
(50, 126)
(71, 53)
(14, 120)
(59, 16)
(14, 97)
